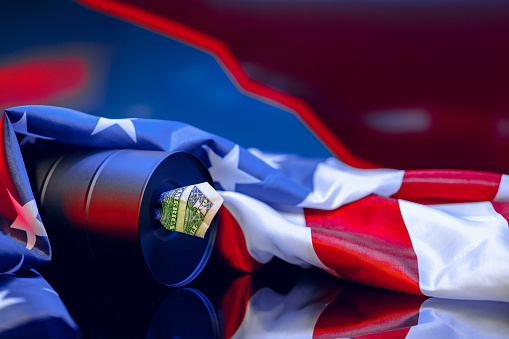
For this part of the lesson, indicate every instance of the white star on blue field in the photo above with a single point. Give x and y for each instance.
(225, 170)
(126, 125)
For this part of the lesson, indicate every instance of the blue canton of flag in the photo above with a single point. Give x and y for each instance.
(30, 308)
(232, 167)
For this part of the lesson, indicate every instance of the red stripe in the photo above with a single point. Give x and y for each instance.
(396, 334)
(366, 241)
(362, 310)
(502, 208)
(442, 186)
(234, 304)
(147, 18)
(230, 245)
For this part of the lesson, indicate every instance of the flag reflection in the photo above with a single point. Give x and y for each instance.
(274, 302)
(328, 308)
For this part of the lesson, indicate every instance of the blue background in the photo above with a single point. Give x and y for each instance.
(139, 73)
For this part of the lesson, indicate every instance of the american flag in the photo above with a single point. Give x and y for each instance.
(23, 242)
(437, 233)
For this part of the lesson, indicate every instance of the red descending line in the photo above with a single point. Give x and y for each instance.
(223, 54)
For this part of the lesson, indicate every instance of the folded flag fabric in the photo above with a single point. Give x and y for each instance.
(441, 233)
(319, 308)
(30, 308)
(23, 240)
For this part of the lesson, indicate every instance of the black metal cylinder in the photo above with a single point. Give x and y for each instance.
(101, 203)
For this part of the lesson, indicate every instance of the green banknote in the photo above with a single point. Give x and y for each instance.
(189, 209)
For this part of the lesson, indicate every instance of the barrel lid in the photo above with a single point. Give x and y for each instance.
(174, 258)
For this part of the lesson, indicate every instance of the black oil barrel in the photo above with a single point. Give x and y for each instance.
(99, 204)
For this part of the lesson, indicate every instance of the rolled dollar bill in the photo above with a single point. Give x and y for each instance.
(189, 209)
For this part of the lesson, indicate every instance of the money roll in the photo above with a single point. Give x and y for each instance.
(189, 209)
(101, 203)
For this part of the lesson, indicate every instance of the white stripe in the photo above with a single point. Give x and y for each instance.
(503, 189)
(450, 319)
(272, 315)
(296, 218)
(462, 249)
(336, 184)
(268, 233)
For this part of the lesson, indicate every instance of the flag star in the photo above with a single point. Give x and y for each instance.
(225, 170)
(126, 124)
(27, 221)
(273, 160)
(6, 302)
(20, 126)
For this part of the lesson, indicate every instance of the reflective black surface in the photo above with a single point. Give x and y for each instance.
(105, 305)
(278, 300)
